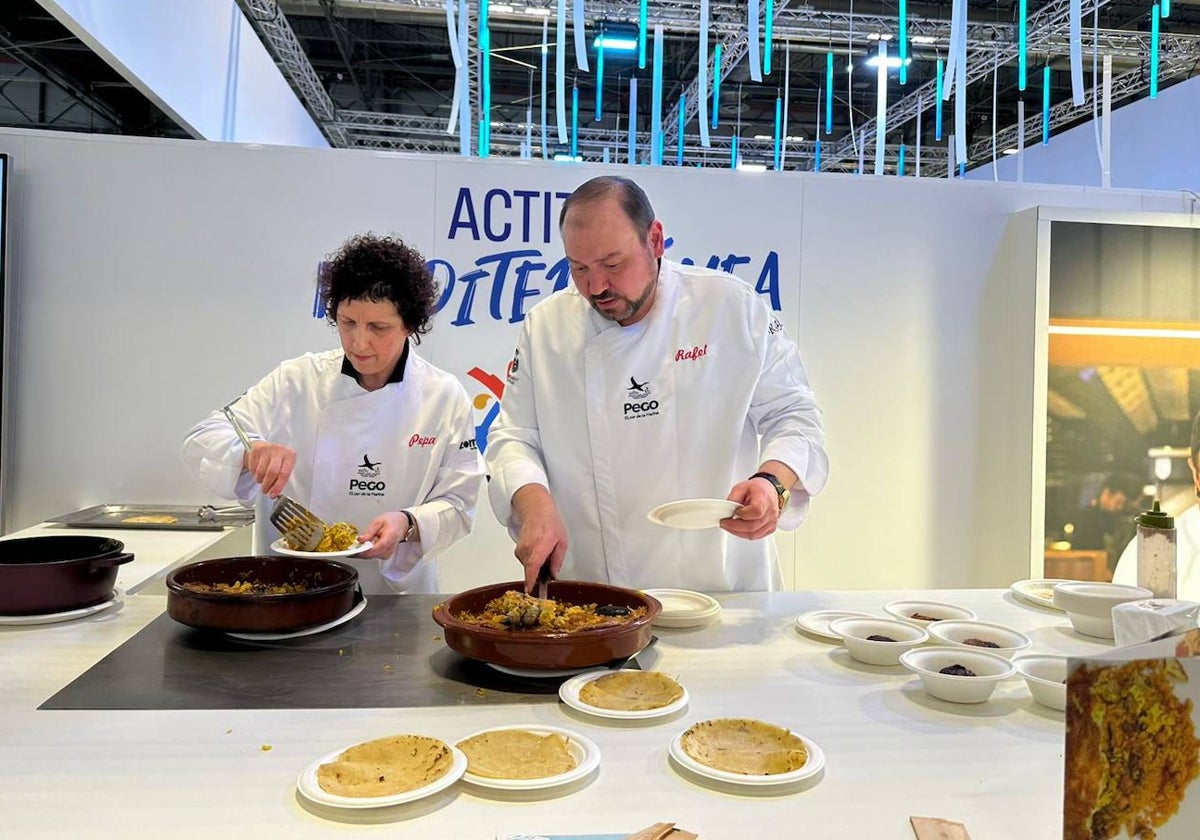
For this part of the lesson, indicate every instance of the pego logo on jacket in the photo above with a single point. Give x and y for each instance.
(638, 403)
(367, 484)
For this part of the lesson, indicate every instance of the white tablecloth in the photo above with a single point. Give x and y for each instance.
(892, 751)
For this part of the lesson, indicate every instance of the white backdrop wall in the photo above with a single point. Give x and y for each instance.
(1154, 144)
(158, 279)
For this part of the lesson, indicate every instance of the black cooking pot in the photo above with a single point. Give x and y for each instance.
(329, 594)
(55, 574)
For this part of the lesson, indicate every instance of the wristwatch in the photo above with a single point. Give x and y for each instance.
(783, 492)
(412, 527)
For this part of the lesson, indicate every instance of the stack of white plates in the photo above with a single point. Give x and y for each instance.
(684, 608)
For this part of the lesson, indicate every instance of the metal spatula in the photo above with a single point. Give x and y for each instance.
(301, 527)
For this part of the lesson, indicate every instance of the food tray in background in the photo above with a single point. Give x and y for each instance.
(187, 518)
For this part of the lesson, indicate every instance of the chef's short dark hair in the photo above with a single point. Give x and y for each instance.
(379, 268)
(632, 198)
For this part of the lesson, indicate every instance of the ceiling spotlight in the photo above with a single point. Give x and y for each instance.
(1009, 152)
(499, 9)
(877, 36)
(763, 137)
(795, 138)
(566, 157)
(537, 10)
(893, 61)
(618, 43)
(923, 39)
(752, 167)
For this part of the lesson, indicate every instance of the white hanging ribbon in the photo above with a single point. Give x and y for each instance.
(881, 71)
(1076, 18)
(455, 55)
(752, 16)
(463, 83)
(581, 59)
(1106, 127)
(787, 86)
(1020, 141)
(545, 50)
(560, 72)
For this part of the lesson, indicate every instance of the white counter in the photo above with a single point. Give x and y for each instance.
(891, 750)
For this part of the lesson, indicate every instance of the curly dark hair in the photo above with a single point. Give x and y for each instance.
(379, 268)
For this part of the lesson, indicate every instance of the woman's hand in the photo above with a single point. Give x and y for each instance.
(271, 464)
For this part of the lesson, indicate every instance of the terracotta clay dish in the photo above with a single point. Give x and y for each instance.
(542, 650)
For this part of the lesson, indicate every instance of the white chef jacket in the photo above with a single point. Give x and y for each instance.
(1187, 557)
(683, 404)
(409, 445)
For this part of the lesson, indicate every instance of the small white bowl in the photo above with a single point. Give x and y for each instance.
(1046, 677)
(927, 664)
(854, 633)
(1089, 605)
(956, 633)
(939, 611)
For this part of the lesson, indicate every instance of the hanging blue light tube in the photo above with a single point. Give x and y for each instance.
(900, 166)
(829, 92)
(1022, 44)
(1166, 8)
(574, 121)
(903, 42)
(1046, 104)
(656, 95)
(733, 153)
(682, 124)
(778, 130)
(485, 106)
(937, 135)
(716, 84)
(817, 159)
(768, 30)
(599, 81)
(1154, 22)
(642, 35)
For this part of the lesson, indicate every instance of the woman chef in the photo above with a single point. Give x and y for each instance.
(371, 434)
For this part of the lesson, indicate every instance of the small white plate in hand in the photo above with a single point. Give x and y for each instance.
(693, 514)
(280, 546)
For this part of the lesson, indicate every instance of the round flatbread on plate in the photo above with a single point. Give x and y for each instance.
(383, 772)
(527, 757)
(745, 751)
(280, 546)
(624, 695)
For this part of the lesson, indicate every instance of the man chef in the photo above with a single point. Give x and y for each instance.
(646, 382)
(371, 434)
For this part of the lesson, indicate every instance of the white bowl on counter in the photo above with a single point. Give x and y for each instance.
(1089, 604)
(989, 670)
(936, 610)
(958, 633)
(854, 633)
(1046, 677)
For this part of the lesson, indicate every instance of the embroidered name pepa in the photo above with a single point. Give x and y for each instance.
(417, 440)
(691, 355)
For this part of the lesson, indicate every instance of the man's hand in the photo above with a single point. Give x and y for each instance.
(386, 531)
(758, 509)
(542, 535)
(271, 464)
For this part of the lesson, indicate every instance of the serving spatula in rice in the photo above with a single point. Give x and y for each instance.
(300, 527)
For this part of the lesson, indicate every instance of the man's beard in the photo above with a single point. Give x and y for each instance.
(631, 307)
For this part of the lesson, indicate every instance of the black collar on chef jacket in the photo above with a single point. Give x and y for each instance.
(397, 372)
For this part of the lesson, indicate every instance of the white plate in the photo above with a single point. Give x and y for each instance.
(693, 514)
(816, 760)
(310, 789)
(1039, 592)
(308, 631)
(568, 692)
(684, 608)
(280, 547)
(585, 751)
(117, 597)
(531, 673)
(817, 622)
